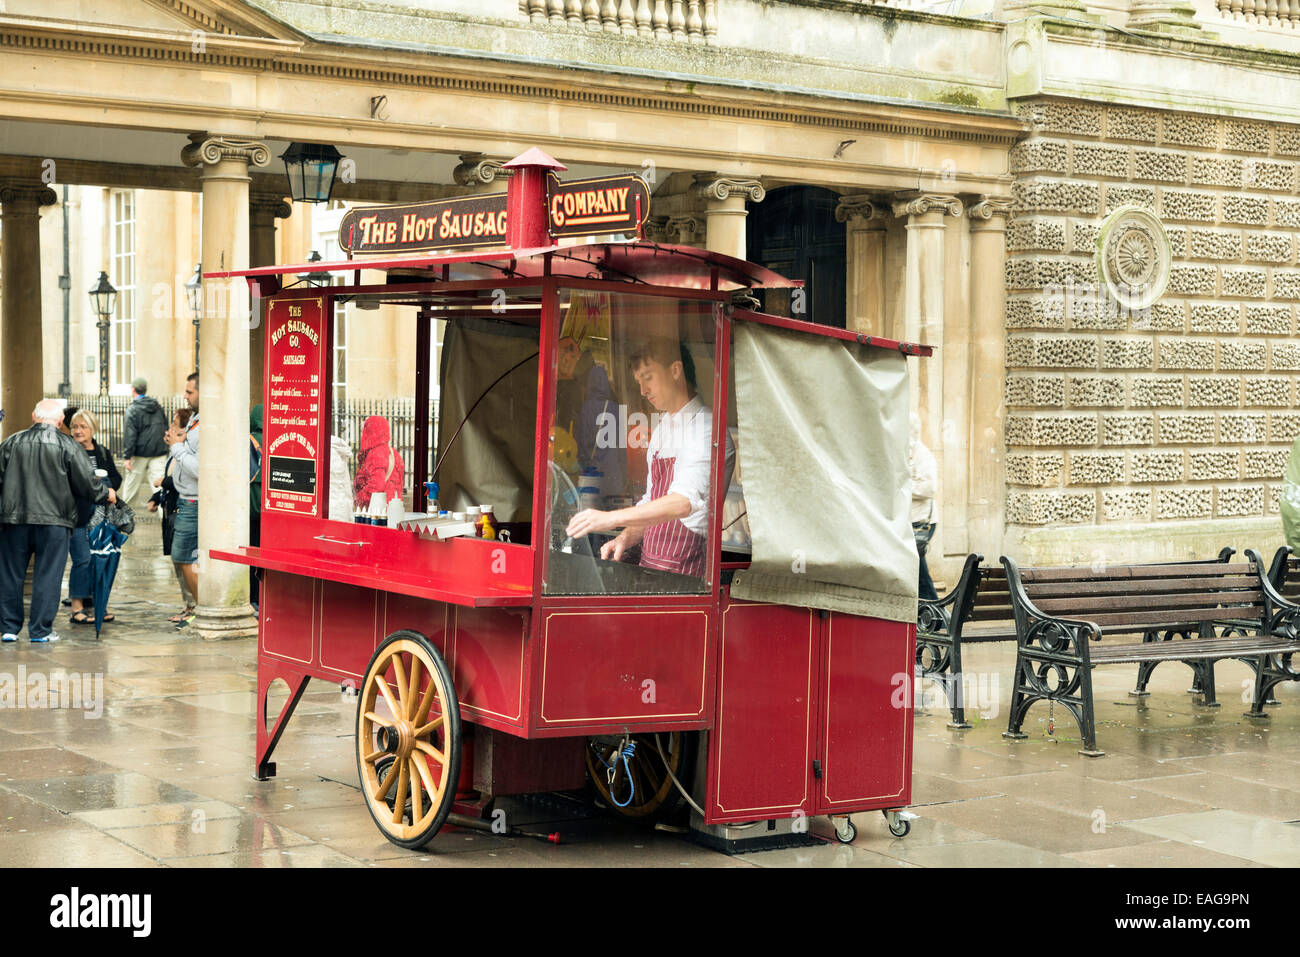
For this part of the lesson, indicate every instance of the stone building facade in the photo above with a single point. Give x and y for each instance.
(1180, 410)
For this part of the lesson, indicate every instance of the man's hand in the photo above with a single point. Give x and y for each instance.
(612, 550)
(112, 497)
(590, 520)
(128, 465)
(153, 506)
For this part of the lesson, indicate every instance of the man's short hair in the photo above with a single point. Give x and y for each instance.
(193, 377)
(48, 411)
(140, 385)
(664, 351)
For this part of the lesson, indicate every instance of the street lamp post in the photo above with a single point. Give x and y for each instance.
(103, 297)
(194, 294)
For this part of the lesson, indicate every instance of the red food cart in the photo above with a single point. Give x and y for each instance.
(702, 582)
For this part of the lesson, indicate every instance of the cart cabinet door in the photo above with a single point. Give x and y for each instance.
(762, 748)
(866, 714)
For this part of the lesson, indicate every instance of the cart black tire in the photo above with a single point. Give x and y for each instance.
(848, 835)
(665, 800)
(901, 829)
(427, 751)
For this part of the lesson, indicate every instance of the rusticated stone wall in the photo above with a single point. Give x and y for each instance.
(1183, 409)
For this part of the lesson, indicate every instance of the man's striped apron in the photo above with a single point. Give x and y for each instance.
(670, 546)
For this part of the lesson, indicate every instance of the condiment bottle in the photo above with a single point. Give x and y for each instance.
(473, 516)
(486, 527)
(396, 512)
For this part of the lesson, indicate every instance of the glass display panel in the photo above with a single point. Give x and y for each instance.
(631, 445)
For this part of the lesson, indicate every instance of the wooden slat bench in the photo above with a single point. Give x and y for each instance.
(978, 610)
(1063, 613)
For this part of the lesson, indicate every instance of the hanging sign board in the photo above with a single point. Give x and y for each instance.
(591, 207)
(586, 207)
(295, 441)
(416, 227)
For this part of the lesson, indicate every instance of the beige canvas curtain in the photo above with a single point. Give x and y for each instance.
(823, 429)
(492, 461)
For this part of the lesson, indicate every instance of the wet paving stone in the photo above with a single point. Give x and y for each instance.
(164, 776)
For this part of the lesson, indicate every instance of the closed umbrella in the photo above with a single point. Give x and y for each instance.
(108, 530)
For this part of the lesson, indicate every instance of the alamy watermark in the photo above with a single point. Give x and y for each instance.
(37, 690)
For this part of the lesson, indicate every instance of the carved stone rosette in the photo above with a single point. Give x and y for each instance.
(721, 188)
(209, 150)
(1134, 256)
(920, 205)
(475, 169)
(859, 209)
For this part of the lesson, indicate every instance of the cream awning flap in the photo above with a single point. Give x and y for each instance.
(823, 428)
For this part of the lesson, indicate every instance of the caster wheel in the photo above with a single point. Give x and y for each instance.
(846, 832)
(899, 826)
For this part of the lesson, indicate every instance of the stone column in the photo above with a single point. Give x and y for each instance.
(864, 307)
(1174, 17)
(923, 321)
(21, 347)
(224, 611)
(263, 210)
(725, 210)
(987, 488)
(923, 293)
(686, 231)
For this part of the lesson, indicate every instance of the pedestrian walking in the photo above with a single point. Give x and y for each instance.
(166, 500)
(84, 426)
(255, 499)
(42, 473)
(184, 447)
(144, 449)
(379, 465)
(925, 481)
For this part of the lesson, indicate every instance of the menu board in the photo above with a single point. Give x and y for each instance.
(295, 441)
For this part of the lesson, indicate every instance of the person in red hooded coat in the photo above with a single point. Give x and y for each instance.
(379, 465)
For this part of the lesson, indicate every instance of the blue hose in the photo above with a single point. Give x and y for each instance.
(628, 751)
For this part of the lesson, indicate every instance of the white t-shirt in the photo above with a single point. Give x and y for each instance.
(687, 436)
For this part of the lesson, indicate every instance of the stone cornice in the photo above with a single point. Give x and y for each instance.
(501, 78)
(204, 149)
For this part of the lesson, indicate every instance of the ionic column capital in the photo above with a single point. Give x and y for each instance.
(656, 229)
(683, 228)
(18, 193)
(266, 207)
(206, 150)
(719, 188)
(860, 210)
(991, 214)
(476, 169)
(927, 203)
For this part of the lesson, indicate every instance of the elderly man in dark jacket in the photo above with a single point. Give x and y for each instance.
(144, 448)
(42, 473)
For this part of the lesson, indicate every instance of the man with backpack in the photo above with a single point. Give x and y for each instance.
(145, 448)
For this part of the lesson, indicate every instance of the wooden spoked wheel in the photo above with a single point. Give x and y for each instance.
(408, 739)
(655, 797)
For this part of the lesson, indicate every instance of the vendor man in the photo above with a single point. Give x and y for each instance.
(671, 520)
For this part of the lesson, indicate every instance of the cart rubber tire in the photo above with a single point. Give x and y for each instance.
(647, 766)
(901, 829)
(848, 834)
(405, 679)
